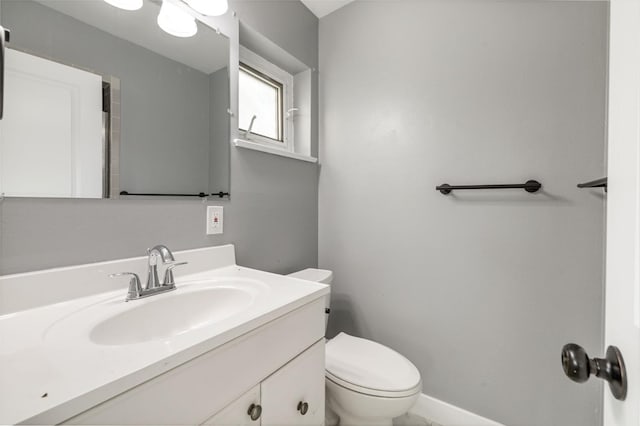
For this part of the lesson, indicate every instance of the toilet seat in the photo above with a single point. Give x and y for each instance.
(373, 392)
(370, 368)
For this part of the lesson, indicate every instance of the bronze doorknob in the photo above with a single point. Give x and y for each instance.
(578, 367)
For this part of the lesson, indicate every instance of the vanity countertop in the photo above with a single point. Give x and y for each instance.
(51, 369)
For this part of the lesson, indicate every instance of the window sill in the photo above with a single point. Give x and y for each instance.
(275, 151)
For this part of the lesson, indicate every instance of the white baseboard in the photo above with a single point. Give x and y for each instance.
(446, 414)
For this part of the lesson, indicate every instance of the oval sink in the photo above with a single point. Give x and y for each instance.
(165, 317)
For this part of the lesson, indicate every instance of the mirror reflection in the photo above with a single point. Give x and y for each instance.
(101, 101)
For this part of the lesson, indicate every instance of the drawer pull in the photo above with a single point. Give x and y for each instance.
(254, 412)
(303, 407)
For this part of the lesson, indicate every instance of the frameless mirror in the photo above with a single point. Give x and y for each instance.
(100, 101)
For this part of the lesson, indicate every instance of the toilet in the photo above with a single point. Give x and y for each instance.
(367, 383)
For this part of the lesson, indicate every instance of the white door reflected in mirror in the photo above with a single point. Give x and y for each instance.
(55, 111)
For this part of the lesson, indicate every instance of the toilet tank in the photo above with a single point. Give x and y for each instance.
(323, 276)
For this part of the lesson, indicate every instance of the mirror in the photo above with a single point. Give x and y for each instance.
(101, 101)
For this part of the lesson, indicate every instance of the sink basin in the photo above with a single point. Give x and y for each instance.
(170, 315)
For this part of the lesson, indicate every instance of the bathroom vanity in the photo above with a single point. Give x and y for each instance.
(230, 345)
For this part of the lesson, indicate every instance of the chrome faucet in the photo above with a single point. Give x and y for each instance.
(153, 284)
(165, 255)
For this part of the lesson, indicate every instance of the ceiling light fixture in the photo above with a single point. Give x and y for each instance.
(176, 21)
(126, 4)
(209, 7)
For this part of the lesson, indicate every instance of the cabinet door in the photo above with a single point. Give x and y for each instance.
(239, 412)
(294, 395)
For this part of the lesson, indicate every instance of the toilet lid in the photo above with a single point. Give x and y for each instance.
(323, 276)
(369, 367)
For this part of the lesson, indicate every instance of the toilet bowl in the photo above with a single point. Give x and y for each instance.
(366, 383)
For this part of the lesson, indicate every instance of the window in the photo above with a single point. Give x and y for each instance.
(260, 96)
(265, 101)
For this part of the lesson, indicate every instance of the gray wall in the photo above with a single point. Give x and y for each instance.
(154, 89)
(479, 289)
(271, 217)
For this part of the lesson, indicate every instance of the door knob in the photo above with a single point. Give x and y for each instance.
(578, 367)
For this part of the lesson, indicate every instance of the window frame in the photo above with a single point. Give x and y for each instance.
(274, 75)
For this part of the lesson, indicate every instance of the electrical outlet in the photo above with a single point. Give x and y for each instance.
(214, 220)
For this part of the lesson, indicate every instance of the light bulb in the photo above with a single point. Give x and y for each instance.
(209, 7)
(126, 4)
(176, 21)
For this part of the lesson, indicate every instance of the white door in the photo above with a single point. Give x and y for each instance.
(51, 133)
(622, 307)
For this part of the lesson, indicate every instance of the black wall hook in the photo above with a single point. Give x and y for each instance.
(598, 183)
(578, 367)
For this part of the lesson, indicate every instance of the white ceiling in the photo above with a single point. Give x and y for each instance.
(322, 8)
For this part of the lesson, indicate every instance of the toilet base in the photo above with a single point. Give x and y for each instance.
(357, 409)
(345, 420)
(330, 417)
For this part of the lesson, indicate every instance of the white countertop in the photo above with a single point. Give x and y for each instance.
(50, 370)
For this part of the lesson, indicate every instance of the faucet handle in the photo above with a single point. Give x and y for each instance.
(135, 288)
(168, 274)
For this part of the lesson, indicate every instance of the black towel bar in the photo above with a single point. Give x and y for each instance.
(201, 194)
(529, 186)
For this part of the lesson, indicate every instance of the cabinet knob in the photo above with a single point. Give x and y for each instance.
(254, 412)
(303, 407)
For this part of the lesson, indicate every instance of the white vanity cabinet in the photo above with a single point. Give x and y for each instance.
(277, 366)
(293, 395)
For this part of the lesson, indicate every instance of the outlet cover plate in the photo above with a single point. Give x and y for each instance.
(215, 220)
